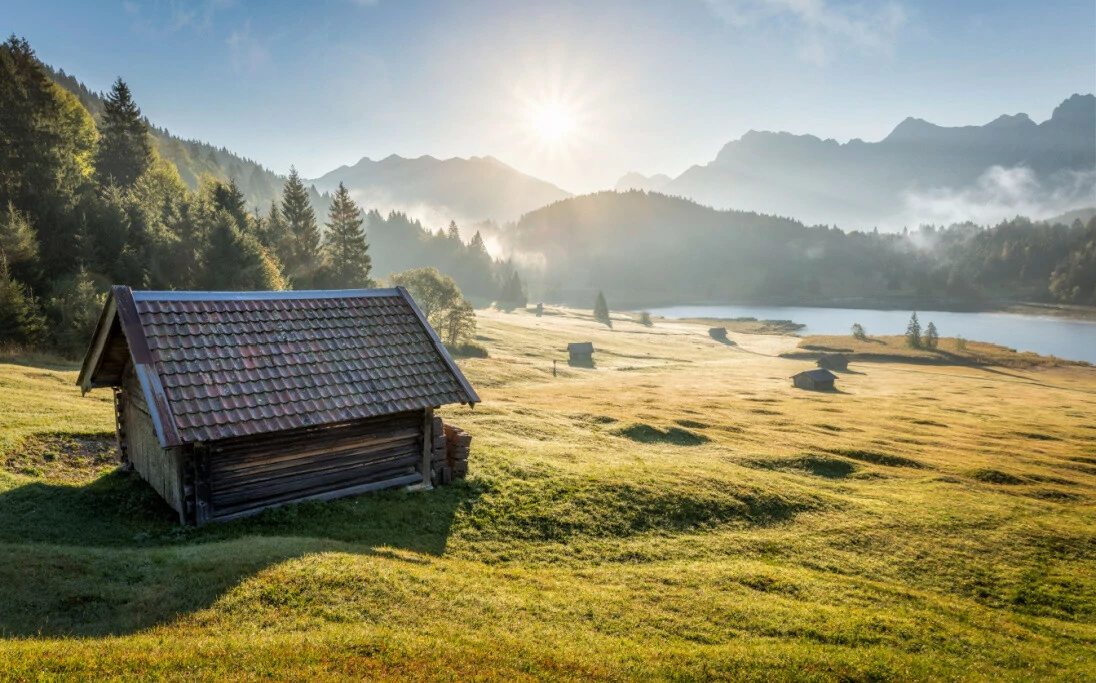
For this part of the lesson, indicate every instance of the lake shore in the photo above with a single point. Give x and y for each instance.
(1029, 308)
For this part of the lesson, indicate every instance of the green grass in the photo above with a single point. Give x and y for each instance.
(949, 351)
(677, 511)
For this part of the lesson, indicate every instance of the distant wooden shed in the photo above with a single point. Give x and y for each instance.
(229, 403)
(834, 361)
(581, 352)
(718, 333)
(815, 380)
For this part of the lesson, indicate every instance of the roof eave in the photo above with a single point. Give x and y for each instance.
(145, 366)
(470, 393)
(94, 356)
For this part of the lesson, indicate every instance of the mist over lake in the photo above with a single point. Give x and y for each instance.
(1046, 335)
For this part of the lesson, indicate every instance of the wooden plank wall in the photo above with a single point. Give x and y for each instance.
(253, 473)
(160, 467)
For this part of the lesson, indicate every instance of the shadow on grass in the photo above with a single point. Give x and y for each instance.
(109, 558)
(818, 465)
(645, 433)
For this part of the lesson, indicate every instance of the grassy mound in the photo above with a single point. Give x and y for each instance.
(676, 436)
(818, 465)
(877, 458)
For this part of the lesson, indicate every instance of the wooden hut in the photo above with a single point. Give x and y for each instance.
(834, 361)
(718, 333)
(228, 403)
(581, 353)
(815, 380)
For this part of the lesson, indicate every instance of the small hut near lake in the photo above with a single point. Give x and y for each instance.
(834, 361)
(718, 333)
(229, 403)
(581, 353)
(815, 380)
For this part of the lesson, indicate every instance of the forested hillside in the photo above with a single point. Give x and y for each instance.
(647, 248)
(90, 200)
(195, 159)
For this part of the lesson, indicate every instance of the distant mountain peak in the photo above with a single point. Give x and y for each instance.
(1076, 108)
(911, 128)
(921, 171)
(463, 189)
(1009, 121)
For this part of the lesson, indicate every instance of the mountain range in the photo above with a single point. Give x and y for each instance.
(468, 190)
(921, 172)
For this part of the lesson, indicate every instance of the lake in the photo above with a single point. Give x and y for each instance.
(1046, 335)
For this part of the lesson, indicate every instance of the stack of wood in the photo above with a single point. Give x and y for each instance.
(450, 452)
(457, 446)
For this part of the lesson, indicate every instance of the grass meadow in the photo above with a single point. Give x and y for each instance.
(678, 511)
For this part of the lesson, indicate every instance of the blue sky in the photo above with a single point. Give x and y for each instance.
(640, 86)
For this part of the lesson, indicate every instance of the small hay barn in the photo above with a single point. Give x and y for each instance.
(815, 380)
(229, 403)
(834, 361)
(718, 333)
(581, 352)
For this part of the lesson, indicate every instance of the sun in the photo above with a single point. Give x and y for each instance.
(551, 122)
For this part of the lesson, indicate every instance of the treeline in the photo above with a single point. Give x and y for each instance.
(87, 202)
(646, 248)
(195, 159)
(401, 242)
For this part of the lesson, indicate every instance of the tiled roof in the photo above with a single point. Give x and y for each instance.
(819, 375)
(581, 347)
(235, 363)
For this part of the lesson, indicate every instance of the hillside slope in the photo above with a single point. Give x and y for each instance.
(195, 159)
(679, 511)
(645, 249)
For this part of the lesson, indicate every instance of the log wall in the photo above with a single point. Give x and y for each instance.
(236, 477)
(161, 468)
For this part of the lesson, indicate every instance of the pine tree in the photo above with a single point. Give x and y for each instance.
(913, 333)
(229, 198)
(47, 140)
(514, 291)
(347, 253)
(18, 242)
(476, 245)
(74, 314)
(932, 337)
(236, 261)
(303, 258)
(275, 233)
(601, 310)
(21, 319)
(125, 148)
(453, 232)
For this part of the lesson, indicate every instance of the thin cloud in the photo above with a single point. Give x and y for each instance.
(819, 28)
(157, 18)
(246, 53)
(999, 194)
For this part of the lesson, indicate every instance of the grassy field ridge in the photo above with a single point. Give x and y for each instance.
(677, 511)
